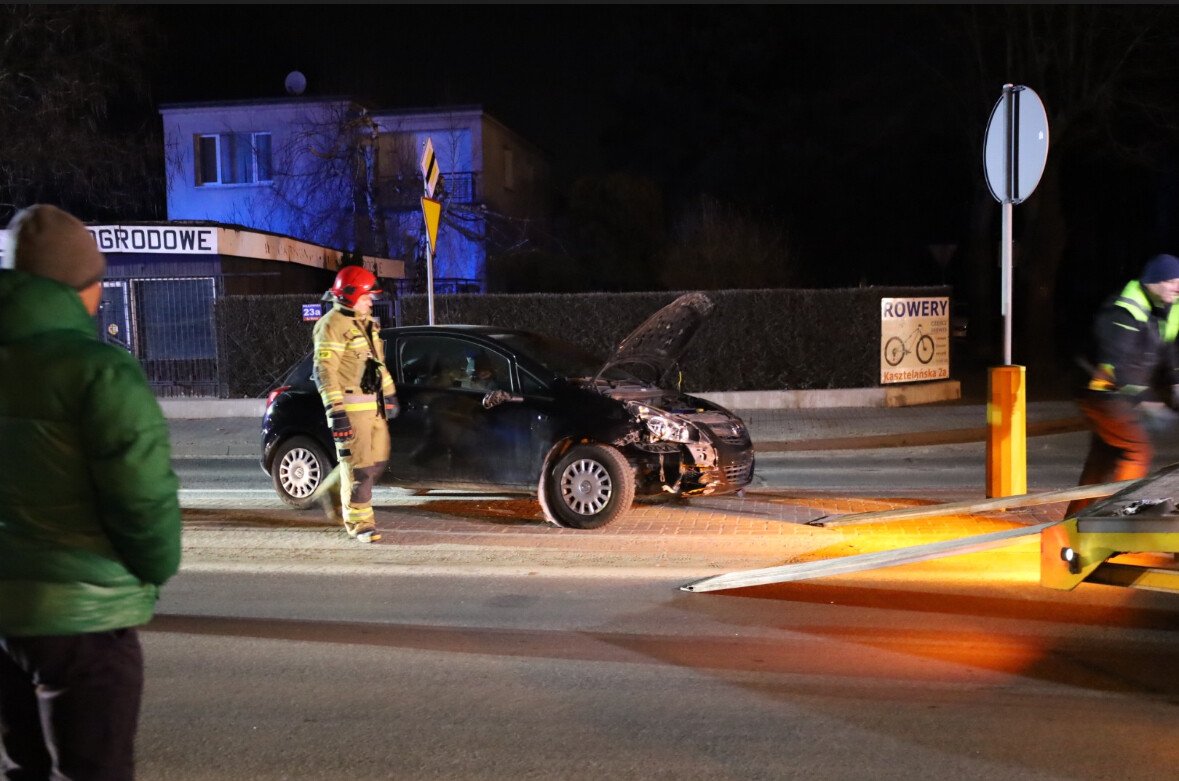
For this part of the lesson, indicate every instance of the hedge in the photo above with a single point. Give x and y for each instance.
(754, 339)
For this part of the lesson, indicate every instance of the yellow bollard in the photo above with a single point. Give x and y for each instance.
(1007, 453)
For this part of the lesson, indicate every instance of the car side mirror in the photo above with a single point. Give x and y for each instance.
(497, 397)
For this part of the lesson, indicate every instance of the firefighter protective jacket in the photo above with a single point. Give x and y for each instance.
(89, 513)
(342, 344)
(1134, 351)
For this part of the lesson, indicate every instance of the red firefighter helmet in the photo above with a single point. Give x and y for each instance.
(351, 283)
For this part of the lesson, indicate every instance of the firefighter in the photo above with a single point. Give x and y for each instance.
(358, 397)
(1132, 360)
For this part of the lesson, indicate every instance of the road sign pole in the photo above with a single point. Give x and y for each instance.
(1005, 280)
(1011, 152)
(429, 284)
(431, 177)
(1014, 153)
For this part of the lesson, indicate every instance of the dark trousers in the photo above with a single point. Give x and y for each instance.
(1119, 447)
(69, 706)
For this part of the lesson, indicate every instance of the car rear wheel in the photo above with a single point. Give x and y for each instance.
(589, 486)
(299, 466)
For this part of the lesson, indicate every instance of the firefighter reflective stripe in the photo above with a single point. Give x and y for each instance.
(358, 515)
(360, 403)
(1171, 331)
(1135, 301)
(1103, 379)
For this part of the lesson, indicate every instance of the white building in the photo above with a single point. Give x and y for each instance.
(330, 171)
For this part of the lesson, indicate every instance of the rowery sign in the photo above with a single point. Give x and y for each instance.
(914, 339)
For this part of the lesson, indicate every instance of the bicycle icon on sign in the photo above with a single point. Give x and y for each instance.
(896, 348)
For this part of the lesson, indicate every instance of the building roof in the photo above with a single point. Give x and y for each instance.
(284, 101)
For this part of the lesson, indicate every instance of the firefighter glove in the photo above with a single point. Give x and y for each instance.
(392, 408)
(341, 426)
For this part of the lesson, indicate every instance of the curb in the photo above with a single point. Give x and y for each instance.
(197, 409)
(918, 438)
(902, 395)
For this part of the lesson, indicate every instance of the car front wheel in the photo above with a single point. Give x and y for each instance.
(299, 466)
(587, 487)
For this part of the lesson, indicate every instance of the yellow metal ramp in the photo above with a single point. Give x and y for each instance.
(1140, 517)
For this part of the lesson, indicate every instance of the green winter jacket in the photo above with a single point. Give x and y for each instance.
(89, 515)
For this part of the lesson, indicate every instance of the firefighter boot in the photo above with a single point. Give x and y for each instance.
(327, 496)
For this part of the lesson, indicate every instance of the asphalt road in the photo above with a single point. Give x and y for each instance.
(521, 651)
(933, 673)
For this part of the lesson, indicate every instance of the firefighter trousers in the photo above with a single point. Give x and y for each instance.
(362, 460)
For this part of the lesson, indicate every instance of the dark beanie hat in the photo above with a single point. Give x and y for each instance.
(1160, 268)
(51, 243)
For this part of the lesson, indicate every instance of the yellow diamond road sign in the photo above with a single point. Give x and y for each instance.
(431, 211)
(430, 172)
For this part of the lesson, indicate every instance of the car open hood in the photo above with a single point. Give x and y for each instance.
(650, 351)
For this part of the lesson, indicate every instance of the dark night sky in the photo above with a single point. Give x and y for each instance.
(543, 71)
(832, 120)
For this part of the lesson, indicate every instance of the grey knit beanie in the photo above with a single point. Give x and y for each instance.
(51, 243)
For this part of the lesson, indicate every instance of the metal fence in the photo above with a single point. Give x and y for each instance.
(167, 323)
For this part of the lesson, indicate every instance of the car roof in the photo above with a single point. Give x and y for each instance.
(485, 335)
(452, 328)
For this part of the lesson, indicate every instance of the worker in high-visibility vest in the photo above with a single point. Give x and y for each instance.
(358, 397)
(1133, 359)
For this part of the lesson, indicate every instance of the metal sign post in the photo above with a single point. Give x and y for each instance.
(1014, 154)
(429, 285)
(430, 179)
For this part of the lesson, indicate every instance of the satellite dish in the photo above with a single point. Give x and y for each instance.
(296, 82)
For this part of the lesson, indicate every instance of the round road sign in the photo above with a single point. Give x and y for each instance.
(1016, 145)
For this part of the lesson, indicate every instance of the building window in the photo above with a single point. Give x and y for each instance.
(233, 158)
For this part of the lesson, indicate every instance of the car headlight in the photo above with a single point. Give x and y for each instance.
(668, 429)
(662, 427)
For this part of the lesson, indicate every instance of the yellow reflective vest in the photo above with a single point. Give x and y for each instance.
(1135, 346)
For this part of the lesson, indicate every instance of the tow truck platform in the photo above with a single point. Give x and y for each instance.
(1141, 516)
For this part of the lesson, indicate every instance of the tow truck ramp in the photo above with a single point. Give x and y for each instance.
(1139, 516)
(865, 561)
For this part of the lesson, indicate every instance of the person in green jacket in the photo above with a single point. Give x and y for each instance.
(89, 512)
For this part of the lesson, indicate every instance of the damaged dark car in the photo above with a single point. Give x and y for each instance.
(485, 407)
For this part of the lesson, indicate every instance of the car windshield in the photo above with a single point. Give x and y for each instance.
(561, 358)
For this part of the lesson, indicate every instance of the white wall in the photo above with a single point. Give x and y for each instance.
(257, 205)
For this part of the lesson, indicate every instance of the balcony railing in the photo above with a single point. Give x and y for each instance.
(459, 186)
(443, 286)
(456, 187)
